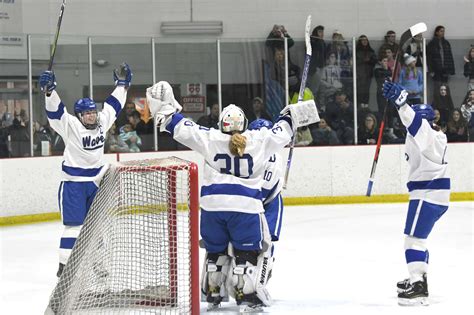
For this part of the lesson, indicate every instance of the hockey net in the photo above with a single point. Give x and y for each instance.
(137, 252)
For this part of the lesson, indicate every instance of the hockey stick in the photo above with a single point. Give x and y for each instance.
(55, 42)
(411, 32)
(304, 76)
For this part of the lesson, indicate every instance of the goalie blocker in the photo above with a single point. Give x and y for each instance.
(302, 113)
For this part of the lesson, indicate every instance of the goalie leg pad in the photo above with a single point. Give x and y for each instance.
(247, 282)
(215, 270)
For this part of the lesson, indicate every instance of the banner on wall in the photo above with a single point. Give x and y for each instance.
(11, 22)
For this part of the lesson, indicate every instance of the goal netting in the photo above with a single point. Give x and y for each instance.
(137, 252)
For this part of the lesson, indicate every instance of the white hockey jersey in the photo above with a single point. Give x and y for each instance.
(425, 151)
(272, 178)
(231, 183)
(84, 148)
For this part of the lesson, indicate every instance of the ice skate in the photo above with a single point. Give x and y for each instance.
(416, 294)
(403, 285)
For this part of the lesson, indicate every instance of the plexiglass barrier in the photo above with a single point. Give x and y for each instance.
(260, 75)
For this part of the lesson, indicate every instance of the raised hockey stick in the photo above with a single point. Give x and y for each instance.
(55, 42)
(304, 76)
(411, 32)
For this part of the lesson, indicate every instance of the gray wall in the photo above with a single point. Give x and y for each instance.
(248, 18)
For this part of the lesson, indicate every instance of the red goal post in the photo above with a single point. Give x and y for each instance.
(139, 247)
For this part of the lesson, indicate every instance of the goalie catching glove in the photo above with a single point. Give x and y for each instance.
(162, 104)
(302, 113)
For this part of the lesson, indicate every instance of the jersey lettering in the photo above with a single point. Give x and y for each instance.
(243, 170)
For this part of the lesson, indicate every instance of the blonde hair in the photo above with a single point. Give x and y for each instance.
(237, 144)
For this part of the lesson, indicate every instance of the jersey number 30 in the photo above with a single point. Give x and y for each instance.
(236, 165)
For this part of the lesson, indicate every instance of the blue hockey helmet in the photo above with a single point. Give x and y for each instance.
(425, 110)
(258, 124)
(86, 105)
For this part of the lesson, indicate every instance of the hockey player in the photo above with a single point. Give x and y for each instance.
(84, 137)
(272, 185)
(428, 186)
(231, 194)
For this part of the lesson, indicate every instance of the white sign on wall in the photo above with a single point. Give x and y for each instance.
(11, 22)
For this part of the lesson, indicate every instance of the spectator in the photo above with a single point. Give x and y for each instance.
(340, 116)
(439, 58)
(303, 137)
(382, 73)
(130, 137)
(390, 59)
(277, 71)
(275, 40)
(5, 121)
(122, 118)
(390, 42)
(318, 58)
(113, 142)
(438, 122)
(443, 102)
(330, 80)
(57, 143)
(415, 48)
(469, 68)
(412, 80)
(467, 110)
(323, 134)
(368, 131)
(20, 135)
(457, 127)
(343, 58)
(143, 129)
(258, 111)
(41, 137)
(365, 61)
(211, 120)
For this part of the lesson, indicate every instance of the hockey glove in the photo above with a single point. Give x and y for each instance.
(302, 113)
(123, 76)
(47, 82)
(162, 104)
(395, 93)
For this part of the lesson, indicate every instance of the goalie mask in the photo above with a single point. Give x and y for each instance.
(86, 111)
(232, 119)
(426, 111)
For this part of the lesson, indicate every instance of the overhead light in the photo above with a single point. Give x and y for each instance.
(197, 27)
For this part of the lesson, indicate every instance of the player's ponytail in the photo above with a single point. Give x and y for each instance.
(237, 144)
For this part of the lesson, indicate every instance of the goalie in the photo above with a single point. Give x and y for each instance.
(231, 195)
(84, 136)
(428, 186)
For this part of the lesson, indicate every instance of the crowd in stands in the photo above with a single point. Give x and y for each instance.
(329, 83)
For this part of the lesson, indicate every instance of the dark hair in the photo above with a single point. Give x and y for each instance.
(316, 29)
(437, 28)
(135, 114)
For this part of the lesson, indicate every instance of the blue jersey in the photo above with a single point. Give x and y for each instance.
(425, 151)
(232, 183)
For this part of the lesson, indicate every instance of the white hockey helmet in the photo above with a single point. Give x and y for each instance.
(232, 119)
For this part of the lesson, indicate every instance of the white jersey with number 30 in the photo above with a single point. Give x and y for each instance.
(232, 183)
